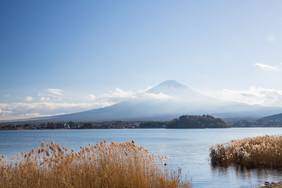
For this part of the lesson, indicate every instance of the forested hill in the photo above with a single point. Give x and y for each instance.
(205, 121)
(276, 117)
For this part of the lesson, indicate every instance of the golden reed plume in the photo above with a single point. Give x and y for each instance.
(262, 151)
(103, 165)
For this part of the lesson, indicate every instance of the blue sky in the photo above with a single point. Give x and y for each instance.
(77, 55)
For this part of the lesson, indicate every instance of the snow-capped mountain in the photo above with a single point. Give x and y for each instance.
(172, 88)
(180, 92)
(164, 102)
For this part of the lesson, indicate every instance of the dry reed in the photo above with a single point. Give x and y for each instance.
(103, 165)
(258, 152)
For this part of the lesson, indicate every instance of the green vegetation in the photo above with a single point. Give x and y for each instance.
(103, 165)
(71, 125)
(204, 121)
(152, 124)
(186, 121)
(269, 121)
(254, 123)
(262, 151)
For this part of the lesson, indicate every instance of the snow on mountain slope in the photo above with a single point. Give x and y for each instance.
(166, 100)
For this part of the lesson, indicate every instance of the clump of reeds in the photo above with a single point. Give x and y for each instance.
(258, 152)
(103, 165)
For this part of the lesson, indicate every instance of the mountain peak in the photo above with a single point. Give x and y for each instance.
(171, 83)
(171, 88)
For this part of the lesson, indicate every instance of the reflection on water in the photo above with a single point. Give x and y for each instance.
(243, 173)
(187, 149)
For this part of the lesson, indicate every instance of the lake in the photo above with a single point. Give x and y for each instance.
(187, 149)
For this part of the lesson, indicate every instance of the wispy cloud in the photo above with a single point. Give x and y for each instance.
(51, 95)
(42, 99)
(91, 97)
(265, 67)
(52, 102)
(55, 91)
(254, 95)
(40, 109)
(47, 103)
(28, 98)
(160, 96)
(119, 93)
(5, 112)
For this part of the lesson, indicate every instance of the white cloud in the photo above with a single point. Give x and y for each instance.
(118, 94)
(29, 98)
(255, 95)
(265, 67)
(55, 91)
(26, 110)
(92, 97)
(42, 99)
(271, 38)
(51, 95)
(50, 105)
(3, 112)
(147, 89)
(160, 96)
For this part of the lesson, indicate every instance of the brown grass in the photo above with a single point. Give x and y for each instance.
(262, 152)
(103, 165)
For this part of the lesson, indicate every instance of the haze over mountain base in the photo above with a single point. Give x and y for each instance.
(167, 100)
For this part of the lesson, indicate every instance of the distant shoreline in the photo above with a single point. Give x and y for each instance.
(135, 128)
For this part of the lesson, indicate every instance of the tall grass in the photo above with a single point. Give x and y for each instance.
(262, 151)
(103, 165)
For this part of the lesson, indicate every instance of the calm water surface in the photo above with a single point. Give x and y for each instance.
(187, 148)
